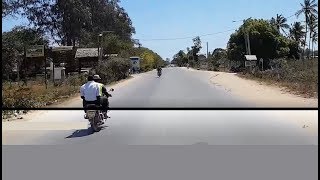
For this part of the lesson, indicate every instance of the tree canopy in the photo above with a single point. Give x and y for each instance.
(74, 22)
(266, 41)
(13, 43)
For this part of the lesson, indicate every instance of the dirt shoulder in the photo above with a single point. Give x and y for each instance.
(73, 101)
(259, 93)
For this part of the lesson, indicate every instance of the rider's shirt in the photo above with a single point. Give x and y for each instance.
(90, 91)
(102, 89)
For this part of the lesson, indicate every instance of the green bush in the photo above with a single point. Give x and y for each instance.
(113, 69)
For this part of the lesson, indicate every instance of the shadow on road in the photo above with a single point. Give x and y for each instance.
(83, 132)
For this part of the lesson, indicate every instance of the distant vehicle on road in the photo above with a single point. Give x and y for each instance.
(135, 62)
(171, 65)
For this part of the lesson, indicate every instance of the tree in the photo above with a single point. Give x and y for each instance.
(196, 47)
(72, 22)
(294, 49)
(114, 69)
(308, 8)
(296, 35)
(313, 26)
(219, 53)
(13, 43)
(217, 57)
(150, 59)
(266, 42)
(296, 32)
(181, 58)
(12, 7)
(314, 40)
(112, 44)
(280, 23)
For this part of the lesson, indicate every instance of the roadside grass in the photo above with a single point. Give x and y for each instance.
(296, 76)
(35, 94)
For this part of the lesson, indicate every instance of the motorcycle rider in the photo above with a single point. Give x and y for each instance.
(159, 69)
(103, 95)
(90, 93)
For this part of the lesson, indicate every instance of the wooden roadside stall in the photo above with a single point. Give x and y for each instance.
(63, 56)
(87, 58)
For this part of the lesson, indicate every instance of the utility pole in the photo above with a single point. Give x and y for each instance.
(247, 38)
(207, 51)
(245, 42)
(45, 67)
(248, 42)
(99, 44)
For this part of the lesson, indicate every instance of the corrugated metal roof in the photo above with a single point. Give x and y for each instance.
(62, 48)
(251, 57)
(86, 52)
(111, 55)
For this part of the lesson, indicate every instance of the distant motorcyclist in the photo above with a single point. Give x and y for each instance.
(159, 69)
(90, 93)
(103, 94)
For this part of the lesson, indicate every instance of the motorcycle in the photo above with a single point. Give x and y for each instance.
(159, 73)
(95, 116)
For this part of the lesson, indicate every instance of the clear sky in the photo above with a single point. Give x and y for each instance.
(166, 19)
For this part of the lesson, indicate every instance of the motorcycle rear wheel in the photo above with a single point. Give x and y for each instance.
(94, 124)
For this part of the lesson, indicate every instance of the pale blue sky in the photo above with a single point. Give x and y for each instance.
(162, 19)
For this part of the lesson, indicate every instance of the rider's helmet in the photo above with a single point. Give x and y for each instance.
(96, 77)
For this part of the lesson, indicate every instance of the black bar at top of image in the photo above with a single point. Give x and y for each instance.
(169, 108)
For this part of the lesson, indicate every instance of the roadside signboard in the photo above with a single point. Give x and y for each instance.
(250, 63)
(251, 60)
(35, 51)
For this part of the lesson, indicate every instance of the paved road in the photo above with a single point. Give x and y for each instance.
(176, 88)
(169, 128)
(200, 128)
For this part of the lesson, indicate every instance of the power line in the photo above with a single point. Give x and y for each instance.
(189, 37)
(179, 38)
(291, 16)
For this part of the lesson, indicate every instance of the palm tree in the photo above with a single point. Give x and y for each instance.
(280, 23)
(309, 7)
(314, 38)
(313, 25)
(296, 32)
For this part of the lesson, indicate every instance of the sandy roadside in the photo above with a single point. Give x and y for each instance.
(73, 101)
(261, 94)
(16, 127)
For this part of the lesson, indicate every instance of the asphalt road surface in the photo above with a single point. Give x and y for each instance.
(176, 87)
(168, 128)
